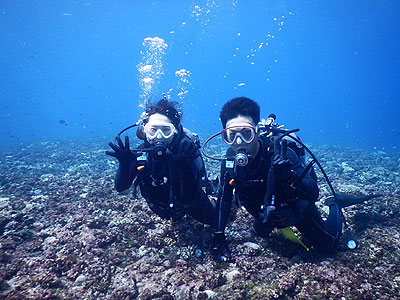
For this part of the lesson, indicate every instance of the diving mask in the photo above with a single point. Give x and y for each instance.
(158, 130)
(238, 134)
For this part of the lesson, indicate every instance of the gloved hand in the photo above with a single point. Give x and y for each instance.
(122, 152)
(284, 175)
(281, 165)
(186, 153)
(219, 248)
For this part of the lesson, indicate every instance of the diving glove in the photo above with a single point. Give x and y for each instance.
(186, 153)
(281, 165)
(122, 152)
(219, 248)
(285, 176)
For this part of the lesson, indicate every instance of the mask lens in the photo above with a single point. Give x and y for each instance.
(166, 130)
(230, 135)
(247, 134)
(226, 136)
(150, 130)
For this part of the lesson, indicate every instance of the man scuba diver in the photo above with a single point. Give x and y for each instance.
(167, 166)
(266, 174)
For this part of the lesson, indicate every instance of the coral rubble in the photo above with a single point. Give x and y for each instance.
(66, 234)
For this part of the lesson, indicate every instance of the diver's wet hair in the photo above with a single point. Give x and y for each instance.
(240, 106)
(170, 109)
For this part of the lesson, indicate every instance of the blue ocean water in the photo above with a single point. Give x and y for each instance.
(80, 69)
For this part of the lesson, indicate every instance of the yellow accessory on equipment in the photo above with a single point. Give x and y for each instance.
(289, 233)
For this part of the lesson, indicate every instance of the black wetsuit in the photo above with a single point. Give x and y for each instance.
(171, 189)
(293, 206)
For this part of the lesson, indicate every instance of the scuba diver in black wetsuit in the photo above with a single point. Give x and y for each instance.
(167, 166)
(266, 174)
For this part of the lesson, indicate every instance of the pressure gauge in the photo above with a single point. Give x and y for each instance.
(351, 244)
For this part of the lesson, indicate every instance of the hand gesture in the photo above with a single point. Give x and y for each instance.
(186, 153)
(280, 163)
(122, 152)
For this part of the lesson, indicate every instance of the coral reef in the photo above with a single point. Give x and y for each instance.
(66, 234)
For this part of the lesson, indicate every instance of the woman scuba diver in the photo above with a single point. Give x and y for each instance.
(167, 166)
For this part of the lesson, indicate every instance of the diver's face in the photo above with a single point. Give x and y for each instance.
(240, 133)
(159, 129)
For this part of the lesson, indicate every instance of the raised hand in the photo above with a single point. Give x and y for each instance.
(186, 153)
(280, 163)
(122, 152)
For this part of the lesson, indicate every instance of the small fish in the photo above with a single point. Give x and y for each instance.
(63, 122)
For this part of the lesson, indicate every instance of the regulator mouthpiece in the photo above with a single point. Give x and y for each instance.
(241, 159)
(160, 149)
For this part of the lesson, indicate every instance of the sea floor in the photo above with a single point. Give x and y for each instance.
(67, 234)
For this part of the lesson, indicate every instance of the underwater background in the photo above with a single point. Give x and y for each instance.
(79, 69)
(74, 73)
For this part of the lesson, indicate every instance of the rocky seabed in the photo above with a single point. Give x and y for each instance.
(67, 234)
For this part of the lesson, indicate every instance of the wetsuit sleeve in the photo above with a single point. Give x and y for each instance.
(124, 176)
(307, 189)
(191, 180)
(224, 200)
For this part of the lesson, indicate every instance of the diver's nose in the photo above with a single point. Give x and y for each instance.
(159, 136)
(238, 140)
